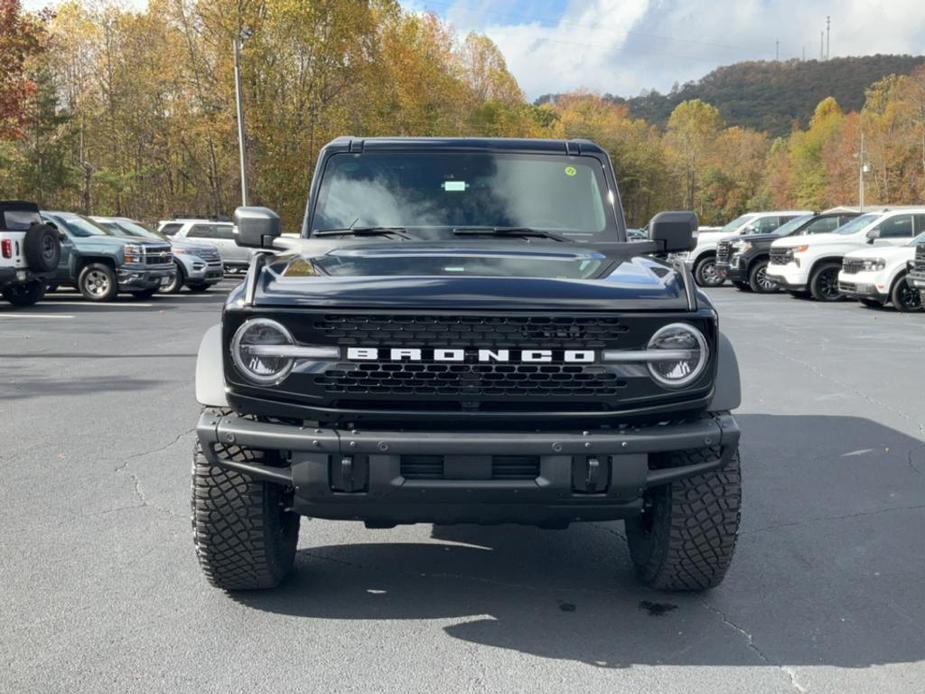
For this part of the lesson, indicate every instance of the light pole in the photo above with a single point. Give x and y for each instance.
(863, 168)
(239, 41)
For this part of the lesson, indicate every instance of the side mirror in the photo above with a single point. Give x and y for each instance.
(256, 227)
(673, 232)
(873, 235)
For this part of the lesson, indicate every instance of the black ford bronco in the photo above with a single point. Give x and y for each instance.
(463, 334)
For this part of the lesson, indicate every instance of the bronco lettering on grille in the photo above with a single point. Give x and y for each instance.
(439, 354)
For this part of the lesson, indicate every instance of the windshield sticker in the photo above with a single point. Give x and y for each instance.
(570, 171)
(455, 186)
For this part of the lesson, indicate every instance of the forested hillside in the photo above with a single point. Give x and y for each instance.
(105, 110)
(773, 96)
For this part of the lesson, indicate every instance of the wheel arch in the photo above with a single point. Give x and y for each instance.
(727, 388)
(85, 260)
(210, 370)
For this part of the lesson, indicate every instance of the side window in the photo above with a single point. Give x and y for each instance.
(822, 226)
(224, 231)
(896, 227)
(170, 229)
(201, 231)
(919, 223)
(765, 225)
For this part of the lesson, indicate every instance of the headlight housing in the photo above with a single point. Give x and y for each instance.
(874, 264)
(260, 368)
(688, 358)
(134, 254)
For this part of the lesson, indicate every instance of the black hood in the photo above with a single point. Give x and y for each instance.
(469, 275)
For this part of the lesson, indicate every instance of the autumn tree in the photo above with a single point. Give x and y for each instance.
(20, 38)
(691, 133)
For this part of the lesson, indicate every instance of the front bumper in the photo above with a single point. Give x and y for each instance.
(789, 277)
(862, 285)
(322, 464)
(200, 272)
(734, 270)
(132, 278)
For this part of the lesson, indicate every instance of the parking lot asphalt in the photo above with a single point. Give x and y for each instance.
(100, 590)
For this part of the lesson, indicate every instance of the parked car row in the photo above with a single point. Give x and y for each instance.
(876, 257)
(41, 250)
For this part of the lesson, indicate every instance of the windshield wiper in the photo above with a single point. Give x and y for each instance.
(507, 231)
(401, 232)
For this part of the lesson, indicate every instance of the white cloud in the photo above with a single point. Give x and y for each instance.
(625, 46)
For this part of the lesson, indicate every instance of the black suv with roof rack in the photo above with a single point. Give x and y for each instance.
(463, 334)
(744, 260)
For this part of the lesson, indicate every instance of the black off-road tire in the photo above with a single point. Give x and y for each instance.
(823, 285)
(24, 295)
(905, 297)
(41, 248)
(686, 537)
(705, 273)
(244, 537)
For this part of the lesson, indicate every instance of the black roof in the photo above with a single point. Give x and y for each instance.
(494, 144)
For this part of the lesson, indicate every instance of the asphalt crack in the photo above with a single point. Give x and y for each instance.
(754, 648)
(137, 489)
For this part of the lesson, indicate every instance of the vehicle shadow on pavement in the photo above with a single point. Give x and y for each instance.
(828, 569)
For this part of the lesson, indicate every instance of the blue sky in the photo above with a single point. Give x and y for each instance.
(626, 46)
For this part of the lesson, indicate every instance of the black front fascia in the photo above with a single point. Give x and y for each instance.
(424, 390)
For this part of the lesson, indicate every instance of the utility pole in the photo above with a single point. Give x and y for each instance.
(239, 40)
(821, 45)
(828, 28)
(862, 169)
(777, 50)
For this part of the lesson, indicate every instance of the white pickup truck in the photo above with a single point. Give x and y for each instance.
(702, 260)
(29, 252)
(810, 265)
(876, 275)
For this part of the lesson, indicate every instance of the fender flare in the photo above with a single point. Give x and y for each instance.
(210, 371)
(727, 389)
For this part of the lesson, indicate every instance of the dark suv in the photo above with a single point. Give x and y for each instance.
(463, 334)
(744, 260)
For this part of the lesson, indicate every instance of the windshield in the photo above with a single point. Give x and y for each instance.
(126, 227)
(917, 240)
(80, 227)
(736, 223)
(791, 226)
(858, 223)
(462, 190)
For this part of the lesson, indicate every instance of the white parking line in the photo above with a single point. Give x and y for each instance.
(90, 304)
(35, 315)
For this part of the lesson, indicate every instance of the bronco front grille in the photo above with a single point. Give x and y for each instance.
(723, 251)
(781, 256)
(523, 380)
(852, 266)
(485, 331)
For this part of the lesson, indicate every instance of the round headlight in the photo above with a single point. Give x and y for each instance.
(253, 360)
(688, 358)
